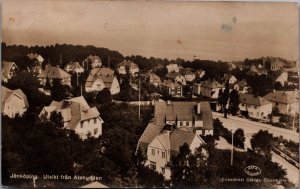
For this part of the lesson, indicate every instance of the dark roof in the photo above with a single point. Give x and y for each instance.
(54, 72)
(173, 75)
(253, 100)
(187, 71)
(212, 84)
(170, 84)
(282, 97)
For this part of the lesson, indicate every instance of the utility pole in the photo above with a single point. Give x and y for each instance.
(231, 160)
(139, 97)
(80, 90)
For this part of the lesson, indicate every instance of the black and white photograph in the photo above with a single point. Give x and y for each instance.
(149, 94)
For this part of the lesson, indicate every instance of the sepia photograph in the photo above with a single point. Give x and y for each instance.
(149, 94)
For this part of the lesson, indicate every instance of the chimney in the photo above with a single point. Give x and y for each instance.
(198, 108)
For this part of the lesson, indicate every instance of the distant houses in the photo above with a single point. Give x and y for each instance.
(36, 58)
(74, 67)
(240, 86)
(172, 68)
(255, 107)
(188, 74)
(280, 77)
(152, 78)
(77, 116)
(100, 78)
(92, 61)
(9, 69)
(176, 77)
(174, 124)
(13, 102)
(211, 88)
(172, 88)
(128, 67)
(229, 78)
(199, 74)
(52, 73)
(287, 102)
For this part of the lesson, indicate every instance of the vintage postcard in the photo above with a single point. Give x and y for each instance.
(149, 94)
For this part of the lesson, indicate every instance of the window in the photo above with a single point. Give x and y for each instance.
(276, 103)
(152, 165)
(187, 123)
(81, 124)
(153, 152)
(181, 124)
(163, 154)
(243, 105)
(95, 131)
(163, 170)
(157, 152)
(95, 120)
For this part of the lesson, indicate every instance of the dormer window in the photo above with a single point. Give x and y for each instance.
(81, 124)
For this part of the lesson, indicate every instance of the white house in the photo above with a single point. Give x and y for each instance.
(188, 75)
(128, 66)
(287, 102)
(92, 62)
(52, 73)
(174, 124)
(176, 77)
(281, 77)
(9, 69)
(152, 78)
(172, 88)
(38, 59)
(74, 67)
(14, 102)
(229, 78)
(255, 106)
(100, 78)
(200, 74)
(172, 68)
(211, 88)
(77, 115)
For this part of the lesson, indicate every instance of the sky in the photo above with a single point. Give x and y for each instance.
(224, 31)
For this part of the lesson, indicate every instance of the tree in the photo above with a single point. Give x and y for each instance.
(58, 91)
(223, 99)
(57, 119)
(104, 96)
(261, 143)
(239, 138)
(217, 128)
(234, 101)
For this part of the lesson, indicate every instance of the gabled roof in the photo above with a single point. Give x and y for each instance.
(199, 72)
(94, 59)
(151, 76)
(104, 74)
(183, 111)
(253, 100)
(151, 131)
(282, 97)
(6, 68)
(54, 72)
(172, 75)
(73, 66)
(6, 93)
(170, 84)
(228, 77)
(128, 63)
(178, 137)
(187, 72)
(73, 110)
(212, 84)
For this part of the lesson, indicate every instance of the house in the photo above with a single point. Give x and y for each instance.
(172, 88)
(77, 116)
(197, 88)
(9, 69)
(200, 74)
(128, 66)
(240, 86)
(188, 74)
(176, 77)
(255, 106)
(211, 88)
(100, 78)
(174, 124)
(74, 67)
(257, 70)
(152, 78)
(172, 68)
(14, 102)
(273, 65)
(36, 58)
(37, 69)
(92, 62)
(280, 76)
(52, 73)
(287, 102)
(229, 78)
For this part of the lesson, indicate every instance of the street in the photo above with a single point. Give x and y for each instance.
(251, 127)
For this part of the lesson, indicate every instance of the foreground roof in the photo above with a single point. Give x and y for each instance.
(283, 97)
(54, 72)
(253, 100)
